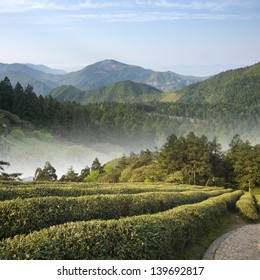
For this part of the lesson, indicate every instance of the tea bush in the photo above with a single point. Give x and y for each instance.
(24, 215)
(257, 198)
(158, 236)
(71, 189)
(246, 205)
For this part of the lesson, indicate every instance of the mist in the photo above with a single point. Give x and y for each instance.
(27, 154)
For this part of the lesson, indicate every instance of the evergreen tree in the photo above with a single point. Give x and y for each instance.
(70, 176)
(245, 160)
(84, 173)
(8, 176)
(48, 173)
(96, 166)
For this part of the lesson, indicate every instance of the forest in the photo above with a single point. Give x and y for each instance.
(135, 126)
(189, 160)
(167, 149)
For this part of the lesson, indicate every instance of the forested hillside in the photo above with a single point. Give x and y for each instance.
(240, 86)
(133, 126)
(123, 92)
(189, 160)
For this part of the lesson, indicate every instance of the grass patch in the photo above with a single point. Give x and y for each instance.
(196, 252)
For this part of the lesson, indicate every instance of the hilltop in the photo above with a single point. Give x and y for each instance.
(123, 91)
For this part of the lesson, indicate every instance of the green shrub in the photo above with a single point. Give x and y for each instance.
(159, 236)
(18, 134)
(23, 215)
(257, 198)
(247, 207)
(43, 189)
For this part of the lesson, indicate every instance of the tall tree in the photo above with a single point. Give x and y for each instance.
(96, 166)
(245, 160)
(70, 176)
(48, 173)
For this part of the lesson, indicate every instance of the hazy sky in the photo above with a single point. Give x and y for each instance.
(160, 34)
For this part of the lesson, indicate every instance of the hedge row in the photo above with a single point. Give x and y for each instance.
(247, 206)
(159, 236)
(257, 198)
(7, 193)
(24, 215)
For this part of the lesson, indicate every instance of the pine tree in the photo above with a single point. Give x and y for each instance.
(48, 173)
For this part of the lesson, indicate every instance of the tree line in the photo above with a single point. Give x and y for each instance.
(125, 124)
(183, 160)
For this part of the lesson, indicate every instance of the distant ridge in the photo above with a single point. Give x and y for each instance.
(109, 71)
(46, 69)
(123, 91)
(94, 76)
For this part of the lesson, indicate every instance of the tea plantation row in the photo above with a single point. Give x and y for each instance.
(152, 236)
(24, 215)
(249, 207)
(33, 190)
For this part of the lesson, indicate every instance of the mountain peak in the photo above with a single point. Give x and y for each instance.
(109, 64)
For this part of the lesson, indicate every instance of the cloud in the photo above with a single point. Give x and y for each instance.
(204, 5)
(150, 16)
(129, 11)
(16, 6)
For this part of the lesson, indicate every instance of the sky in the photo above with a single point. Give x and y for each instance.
(188, 37)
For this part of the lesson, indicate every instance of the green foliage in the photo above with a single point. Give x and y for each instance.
(24, 215)
(18, 134)
(239, 86)
(92, 177)
(131, 125)
(70, 176)
(190, 157)
(96, 166)
(8, 176)
(48, 173)
(123, 91)
(257, 198)
(245, 160)
(160, 236)
(246, 205)
(67, 93)
(47, 137)
(43, 189)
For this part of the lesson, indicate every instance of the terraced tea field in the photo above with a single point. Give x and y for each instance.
(107, 221)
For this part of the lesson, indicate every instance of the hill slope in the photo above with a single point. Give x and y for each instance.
(67, 93)
(110, 71)
(94, 76)
(46, 69)
(41, 82)
(124, 91)
(240, 86)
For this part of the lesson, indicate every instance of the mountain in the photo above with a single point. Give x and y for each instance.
(240, 86)
(123, 91)
(41, 82)
(46, 69)
(94, 76)
(107, 72)
(67, 93)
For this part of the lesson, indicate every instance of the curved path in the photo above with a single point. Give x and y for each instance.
(240, 244)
